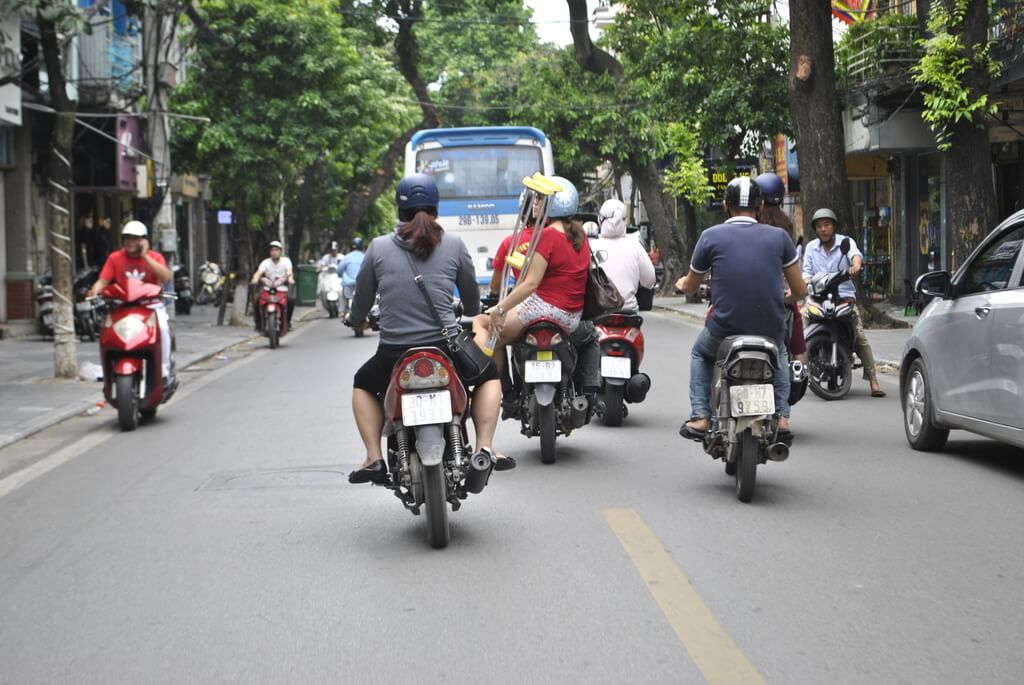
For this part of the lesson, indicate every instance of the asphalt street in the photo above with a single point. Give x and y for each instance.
(221, 542)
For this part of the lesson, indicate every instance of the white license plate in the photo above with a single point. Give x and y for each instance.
(332, 296)
(544, 372)
(752, 400)
(615, 367)
(422, 408)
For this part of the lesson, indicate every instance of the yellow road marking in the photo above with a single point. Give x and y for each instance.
(710, 647)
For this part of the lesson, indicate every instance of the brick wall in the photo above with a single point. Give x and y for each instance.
(20, 300)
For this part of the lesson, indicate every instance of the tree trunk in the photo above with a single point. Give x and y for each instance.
(972, 200)
(65, 362)
(818, 128)
(298, 232)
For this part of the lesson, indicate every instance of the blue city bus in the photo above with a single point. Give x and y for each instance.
(479, 173)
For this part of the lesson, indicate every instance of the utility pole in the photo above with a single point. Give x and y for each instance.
(161, 53)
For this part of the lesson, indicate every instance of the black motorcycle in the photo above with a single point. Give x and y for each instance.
(743, 431)
(182, 290)
(830, 334)
(88, 312)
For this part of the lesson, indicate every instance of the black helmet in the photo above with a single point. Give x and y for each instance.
(417, 191)
(742, 193)
(357, 243)
(824, 213)
(771, 188)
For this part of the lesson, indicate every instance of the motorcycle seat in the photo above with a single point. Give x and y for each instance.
(620, 319)
(735, 343)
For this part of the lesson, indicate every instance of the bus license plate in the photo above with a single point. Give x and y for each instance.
(615, 367)
(425, 408)
(752, 400)
(478, 220)
(544, 372)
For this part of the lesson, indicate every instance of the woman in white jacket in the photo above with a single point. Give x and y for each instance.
(622, 257)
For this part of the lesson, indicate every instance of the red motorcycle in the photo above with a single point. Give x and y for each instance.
(430, 462)
(130, 353)
(273, 304)
(622, 350)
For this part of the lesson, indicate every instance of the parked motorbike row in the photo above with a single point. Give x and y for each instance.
(88, 312)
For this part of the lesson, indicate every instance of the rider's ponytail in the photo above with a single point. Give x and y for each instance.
(423, 231)
(574, 231)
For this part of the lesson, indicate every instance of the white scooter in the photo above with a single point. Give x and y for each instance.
(329, 290)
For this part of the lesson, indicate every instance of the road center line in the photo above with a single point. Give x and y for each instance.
(710, 647)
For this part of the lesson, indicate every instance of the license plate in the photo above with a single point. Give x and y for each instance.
(423, 408)
(615, 367)
(752, 400)
(331, 297)
(543, 372)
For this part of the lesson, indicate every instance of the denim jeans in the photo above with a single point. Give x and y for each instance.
(702, 364)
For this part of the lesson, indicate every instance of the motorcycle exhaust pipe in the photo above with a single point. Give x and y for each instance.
(637, 387)
(480, 467)
(579, 411)
(778, 452)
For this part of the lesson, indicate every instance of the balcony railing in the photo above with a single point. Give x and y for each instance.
(885, 47)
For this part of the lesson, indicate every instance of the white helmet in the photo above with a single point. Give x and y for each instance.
(135, 228)
(613, 219)
(276, 243)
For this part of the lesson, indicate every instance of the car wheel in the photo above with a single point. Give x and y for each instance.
(918, 410)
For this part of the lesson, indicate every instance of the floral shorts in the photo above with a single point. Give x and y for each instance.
(533, 308)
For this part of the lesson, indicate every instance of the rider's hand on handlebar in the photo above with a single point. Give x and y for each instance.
(854, 269)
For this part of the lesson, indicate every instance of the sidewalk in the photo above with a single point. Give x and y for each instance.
(887, 344)
(31, 399)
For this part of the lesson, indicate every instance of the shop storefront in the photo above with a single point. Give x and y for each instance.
(871, 199)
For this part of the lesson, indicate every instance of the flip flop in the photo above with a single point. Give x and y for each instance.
(878, 393)
(691, 433)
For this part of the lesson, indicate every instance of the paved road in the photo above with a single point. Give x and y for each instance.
(222, 544)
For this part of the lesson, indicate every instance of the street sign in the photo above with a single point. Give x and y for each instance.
(224, 216)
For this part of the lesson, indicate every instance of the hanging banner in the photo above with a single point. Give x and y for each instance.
(128, 141)
(851, 12)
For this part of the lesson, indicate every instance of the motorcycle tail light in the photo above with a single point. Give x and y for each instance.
(423, 373)
(632, 334)
(750, 370)
(129, 327)
(544, 338)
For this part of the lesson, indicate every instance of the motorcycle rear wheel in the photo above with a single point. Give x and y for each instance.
(613, 406)
(746, 469)
(436, 502)
(546, 416)
(332, 310)
(127, 394)
(825, 384)
(272, 331)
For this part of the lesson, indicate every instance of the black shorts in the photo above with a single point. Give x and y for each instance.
(375, 374)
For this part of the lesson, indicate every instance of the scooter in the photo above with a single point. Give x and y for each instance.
(130, 353)
(431, 463)
(273, 304)
(622, 350)
(182, 290)
(330, 291)
(211, 287)
(743, 431)
(830, 334)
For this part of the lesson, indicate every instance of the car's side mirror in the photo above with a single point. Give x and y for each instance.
(844, 246)
(934, 284)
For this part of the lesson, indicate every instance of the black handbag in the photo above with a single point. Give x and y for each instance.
(470, 361)
(601, 297)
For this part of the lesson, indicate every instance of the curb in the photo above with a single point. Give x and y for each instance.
(886, 366)
(73, 409)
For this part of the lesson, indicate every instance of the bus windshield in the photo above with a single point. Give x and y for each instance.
(480, 172)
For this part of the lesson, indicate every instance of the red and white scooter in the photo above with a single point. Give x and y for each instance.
(622, 350)
(130, 353)
(273, 304)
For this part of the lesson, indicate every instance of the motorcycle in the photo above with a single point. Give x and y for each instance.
(547, 401)
(273, 304)
(88, 312)
(182, 290)
(373, 318)
(622, 350)
(44, 303)
(830, 334)
(429, 458)
(130, 353)
(211, 284)
(743, 431)
(330, 291)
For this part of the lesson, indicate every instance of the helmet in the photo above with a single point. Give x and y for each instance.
(334, 245)
(742, 193)
(824, 213)
(613, 219)
(771, 188)
(591, 229)
(566, 201)
(276, 243)
(357, 243)
(415, 191)
(135, 228)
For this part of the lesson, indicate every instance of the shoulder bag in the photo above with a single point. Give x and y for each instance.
(470, 361)
(601, 297)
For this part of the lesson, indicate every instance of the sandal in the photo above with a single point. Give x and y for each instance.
(500, 461)
(878, 393)
(691, 433)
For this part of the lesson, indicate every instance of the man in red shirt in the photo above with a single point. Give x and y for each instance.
(136, 261)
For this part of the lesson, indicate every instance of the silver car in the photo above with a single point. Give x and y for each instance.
(963, 366)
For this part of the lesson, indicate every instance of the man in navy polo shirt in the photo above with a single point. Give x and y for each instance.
(747, 260)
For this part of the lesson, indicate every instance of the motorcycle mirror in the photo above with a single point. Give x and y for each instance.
(844, 246)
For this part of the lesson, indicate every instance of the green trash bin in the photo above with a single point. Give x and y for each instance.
(306, 281)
